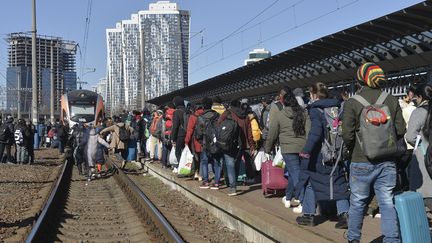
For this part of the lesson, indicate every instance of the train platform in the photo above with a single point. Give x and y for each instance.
(258, 218)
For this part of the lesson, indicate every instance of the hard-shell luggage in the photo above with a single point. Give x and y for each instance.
(272, 178)
(413, 221)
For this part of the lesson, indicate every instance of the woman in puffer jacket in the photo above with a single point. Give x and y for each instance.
(91, 148)
(314, 173)
(419, 128)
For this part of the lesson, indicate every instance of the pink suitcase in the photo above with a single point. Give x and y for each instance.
(272, 178)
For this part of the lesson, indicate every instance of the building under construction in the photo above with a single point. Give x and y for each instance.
(55, 56)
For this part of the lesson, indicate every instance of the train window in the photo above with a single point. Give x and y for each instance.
(82, 112)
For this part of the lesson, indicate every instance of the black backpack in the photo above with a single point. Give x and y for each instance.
(206, 130)
(5, 132)
(227, 135)
(123, 134)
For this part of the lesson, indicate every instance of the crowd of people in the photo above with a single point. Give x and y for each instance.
(355, 151)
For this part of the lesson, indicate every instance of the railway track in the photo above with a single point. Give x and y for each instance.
(110, 209)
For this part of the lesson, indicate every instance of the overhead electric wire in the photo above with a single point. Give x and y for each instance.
(275, 36)
(236, 30)
(85, 41)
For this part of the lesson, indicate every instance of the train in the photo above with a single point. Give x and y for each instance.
(82, 106)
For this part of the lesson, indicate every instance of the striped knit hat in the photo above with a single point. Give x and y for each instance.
(371, 75)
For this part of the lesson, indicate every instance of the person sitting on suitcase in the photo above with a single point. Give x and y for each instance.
(372, 124)
(319, 159)
(289, 126)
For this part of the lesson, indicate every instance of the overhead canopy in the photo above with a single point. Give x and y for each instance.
(398, 41)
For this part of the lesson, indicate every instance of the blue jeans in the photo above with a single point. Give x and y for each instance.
(205, 158)
(229, 163)
(165, 151)
(292, 165)
(382, 177)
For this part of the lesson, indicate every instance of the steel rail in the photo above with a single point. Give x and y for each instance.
(150, 210)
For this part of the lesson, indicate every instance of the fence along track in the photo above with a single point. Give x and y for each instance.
(114, 209)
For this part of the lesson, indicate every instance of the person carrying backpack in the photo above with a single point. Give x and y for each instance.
(22, 140)
(178, 129)
(166, 140)
(233, 136)
(77, 141)
(372, 124)
(192, 141)
(320, 157)
(120, 137)
(204, 133)
(6, 137)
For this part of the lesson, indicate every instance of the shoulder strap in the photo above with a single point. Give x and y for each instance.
(381, 98)
(362, 100)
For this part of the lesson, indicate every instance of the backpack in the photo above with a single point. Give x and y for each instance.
(332, 144)
(227, 135)
(209, 130)
(123, 134)
(377, 135)
(19, 138)
(154, 124)
(4, 132)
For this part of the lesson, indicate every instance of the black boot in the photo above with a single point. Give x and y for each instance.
(343, 221)
(307, 220)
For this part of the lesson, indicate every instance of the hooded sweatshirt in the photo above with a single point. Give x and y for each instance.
(282, 127)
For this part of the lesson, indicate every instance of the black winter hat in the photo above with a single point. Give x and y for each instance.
(178, 101)
(207, 103)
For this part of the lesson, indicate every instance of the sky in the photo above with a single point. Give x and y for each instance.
(222, 31)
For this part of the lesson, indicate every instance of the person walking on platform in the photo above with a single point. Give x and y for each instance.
(419, 132)
(235, 123)
(192, 141)
(289, 127)
(179, 128)
(366, 172)
(167, 131)
(314, 183)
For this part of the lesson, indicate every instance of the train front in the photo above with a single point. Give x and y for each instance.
(82, 106)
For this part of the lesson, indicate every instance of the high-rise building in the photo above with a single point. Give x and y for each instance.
(151, 48)
(131, 60)
(165, 32)
(116, 86)
(257, 55)
(101, 88)
(19, 71)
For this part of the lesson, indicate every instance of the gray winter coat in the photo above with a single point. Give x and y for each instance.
(91, 146)
(418, 177)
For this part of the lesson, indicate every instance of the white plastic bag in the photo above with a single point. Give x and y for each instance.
(148, 146)
(172, 157)
(278, 160)
(186, 160)
(259, 159)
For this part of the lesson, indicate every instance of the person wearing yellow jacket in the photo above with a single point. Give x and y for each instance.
(256, 131)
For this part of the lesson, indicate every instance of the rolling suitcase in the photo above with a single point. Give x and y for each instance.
(413, 223)
(272, 178)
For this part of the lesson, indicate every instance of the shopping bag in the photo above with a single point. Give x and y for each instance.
(259, 159)
(278, 160)
(172, 157)
(185, 164)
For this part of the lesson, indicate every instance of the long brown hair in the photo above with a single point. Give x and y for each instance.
(320, 90)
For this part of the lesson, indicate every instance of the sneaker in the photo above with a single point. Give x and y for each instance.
(205, 185)
(233, 192)
(306, 220)
(378, 215)
(343, 221)
(287, 203)
(295, 202)
(196, 176)
(200, 178)
(175, 171)
(298, 209)
(215, 187)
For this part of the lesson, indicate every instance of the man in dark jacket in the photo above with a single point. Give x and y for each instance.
(23, 142)
(365, 174)
(231, 158)
(178, 133)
